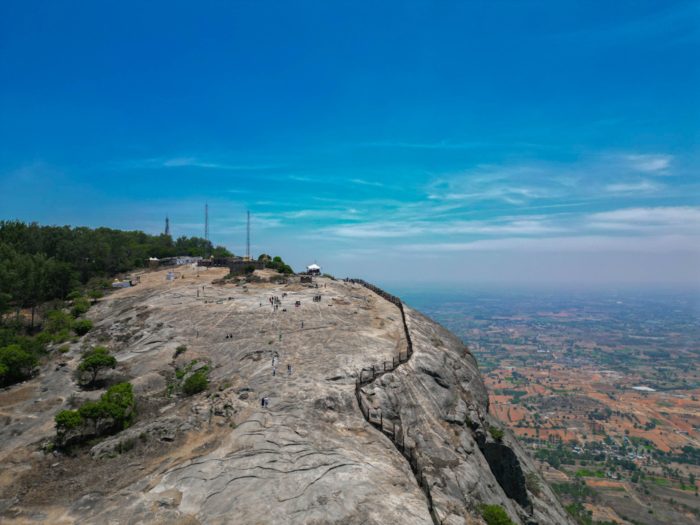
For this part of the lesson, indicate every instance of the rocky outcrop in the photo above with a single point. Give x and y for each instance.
(436, 408)
(410, 444)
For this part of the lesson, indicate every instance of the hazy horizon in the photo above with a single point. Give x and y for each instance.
(454, 143)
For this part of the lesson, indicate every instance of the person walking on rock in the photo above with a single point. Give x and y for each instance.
(267, 402)
(289, 370)
(274, 371)
(262, 402)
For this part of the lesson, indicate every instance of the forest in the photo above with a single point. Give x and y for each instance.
(41, 263)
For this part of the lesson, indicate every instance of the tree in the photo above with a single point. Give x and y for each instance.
(96, 363)
(83, 327)
(16, 362)
(58, 320)
(249, 268)
(118, 399)
(263, 256)
(95, 412)
(95, 295)
(495, 515)
(194, 384)
(277, 259)
(74, 295)
(66, 420)
(496, 433)
(80, 306)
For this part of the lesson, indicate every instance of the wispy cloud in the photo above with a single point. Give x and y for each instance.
(445, 144)
(663, 244)
(669, 218)
(191, 161)
(360, 181)
(634, 187)
(653, 164)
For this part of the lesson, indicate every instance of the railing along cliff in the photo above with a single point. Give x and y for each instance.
(375, 418)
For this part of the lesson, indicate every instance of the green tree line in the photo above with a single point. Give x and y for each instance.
(42, 263)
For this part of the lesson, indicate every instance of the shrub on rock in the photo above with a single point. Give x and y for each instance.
(496, 433)
(66, 420)
(195, 384)
(83, 327)
(495, 515)
(80, 306)
(97, 362)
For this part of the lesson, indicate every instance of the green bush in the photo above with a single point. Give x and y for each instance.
(114, 404)
(496, 433)
(80, 306)
(76, 294)
(495, 515)
(66, 420)
(195, 384)
(63, 335)
(16, 363)
(83, 327)
(95, 295)
(64, 349)
(532, 482)
(97, 350)
(45, 339)
(58, 320)
(97, 362)
(249, 268)
(180, 350)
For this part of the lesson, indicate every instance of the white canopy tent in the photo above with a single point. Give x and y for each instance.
(313, 267)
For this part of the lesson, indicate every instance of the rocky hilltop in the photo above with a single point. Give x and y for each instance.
(382, 419)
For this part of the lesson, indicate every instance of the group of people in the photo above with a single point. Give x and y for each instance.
(317, 298)
(229, 336)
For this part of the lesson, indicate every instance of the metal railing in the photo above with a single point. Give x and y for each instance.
(375, 418)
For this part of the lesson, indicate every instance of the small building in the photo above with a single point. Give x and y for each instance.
(314, 269)
(121, 284)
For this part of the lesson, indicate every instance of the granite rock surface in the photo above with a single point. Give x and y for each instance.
(309, 456)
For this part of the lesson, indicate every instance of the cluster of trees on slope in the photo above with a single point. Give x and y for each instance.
(276, 263)
(19, 353)
(41, 263)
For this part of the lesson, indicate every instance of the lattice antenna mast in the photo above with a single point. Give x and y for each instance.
(207, 251)
(167, 225)
(247, 238)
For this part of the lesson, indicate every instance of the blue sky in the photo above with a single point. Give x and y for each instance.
(446, 142)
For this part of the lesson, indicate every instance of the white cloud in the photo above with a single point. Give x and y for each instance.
(190, 161)
(654, 164)
(671, 218)
(634, 187)
(359, 181)
(590, 243)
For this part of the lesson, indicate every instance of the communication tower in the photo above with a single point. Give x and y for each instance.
(207, 250)
(167, 225)
(247, 239)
